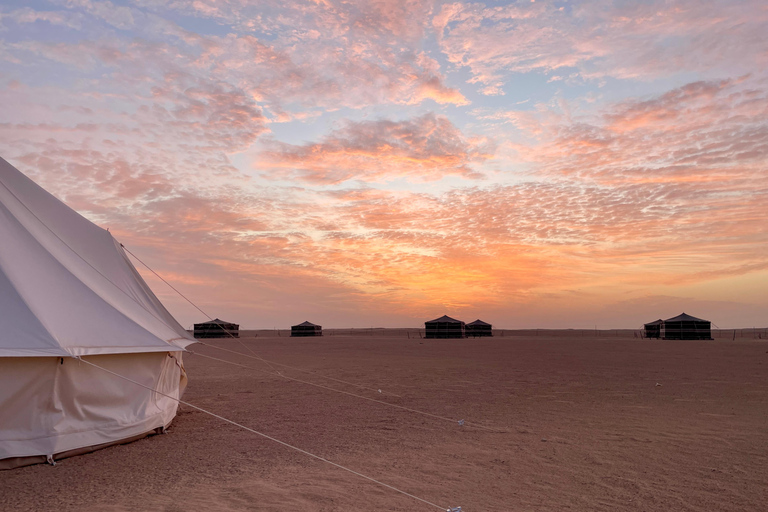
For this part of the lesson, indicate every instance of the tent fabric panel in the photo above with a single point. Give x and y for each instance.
(686, 330)
(135, 286)
(17, 462)
(103, 351)
(217, 322)
(449, 329)
(50, 408)
(306, 329)
(306, 324)
(652, 331)
(684, 317)
(444, 319)
(59, 300)
(21, 333)
(478, 329)
(84, 250)
(216, 329)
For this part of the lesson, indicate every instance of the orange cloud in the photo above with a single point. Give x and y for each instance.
(588, 207)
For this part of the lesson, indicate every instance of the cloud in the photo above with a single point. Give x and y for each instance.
(654, 193)
(671, 185)
(630, 40)
(207, 114)
(118, 16)
(27, 15)
(323, 73)
(426, 148)
(148, 126)
(702, 133)
(323, 54)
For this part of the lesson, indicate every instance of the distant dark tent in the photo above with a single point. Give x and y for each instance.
(478, 328)
(306, 329)
(445, 327)
(217, 329)
(686, 327)
(653, 329)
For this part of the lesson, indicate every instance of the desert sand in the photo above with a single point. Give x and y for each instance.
(581, 424)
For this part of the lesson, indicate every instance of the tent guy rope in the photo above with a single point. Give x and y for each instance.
(197, 307)
(255, 355)
(280, 374)
(460, 422)
(301, 370)
(222, 418)
(107, 279)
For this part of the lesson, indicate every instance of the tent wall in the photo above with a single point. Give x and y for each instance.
(306, 330)
(686, 330)
(53, 407)
(444, 330)
(211, 330)
(478, 331)
(653, 330)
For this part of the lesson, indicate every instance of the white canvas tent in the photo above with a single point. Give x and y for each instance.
(67, 290)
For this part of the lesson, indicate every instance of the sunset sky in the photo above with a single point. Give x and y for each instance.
(381, 163)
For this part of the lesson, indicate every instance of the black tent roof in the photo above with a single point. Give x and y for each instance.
(306, 324)
(685, 318)
(216, 321)
(655, 322)
(444, 319)
(479, 322)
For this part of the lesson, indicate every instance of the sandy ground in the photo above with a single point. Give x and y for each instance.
(584, 424)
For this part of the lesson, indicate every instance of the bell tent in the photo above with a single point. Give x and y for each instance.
(70, 299)
(306, 329)
(217, 329)
(444, 327)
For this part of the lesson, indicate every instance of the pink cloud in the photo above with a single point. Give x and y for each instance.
(332, 56)
(327, 54)
(664, 189)
(318, 73)
(406, 253)
(425, 148)
(587, 202)
(602, 39)
(27, 15)
(702, 132)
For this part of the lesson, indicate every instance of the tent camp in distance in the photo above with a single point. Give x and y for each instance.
(686, 327)
(444, 327)
(478, 329)
(306, 329)
(217, 329)
(69, 299)
(653, 329)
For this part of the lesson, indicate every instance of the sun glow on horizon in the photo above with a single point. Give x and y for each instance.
(369, 162)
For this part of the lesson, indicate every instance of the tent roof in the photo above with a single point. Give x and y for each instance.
(67, 288)
(655, 322)
(306, 324)
(685, 318)
(215, 321)
(444, 319)
(479, 322)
